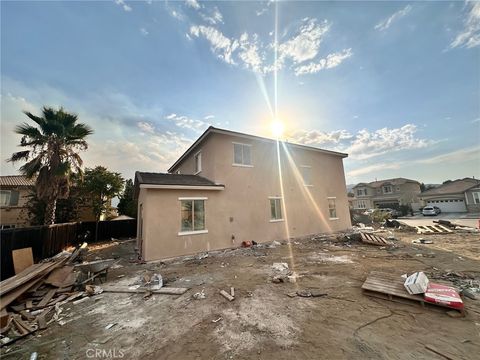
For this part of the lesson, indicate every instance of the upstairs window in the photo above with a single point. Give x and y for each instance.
(332, 208)
(306, 175)
(361, 192)
(276, 209)
(198, 162)
(242, 154)
(9, 197)
(476, 197)
(387, 189)
(193, 215)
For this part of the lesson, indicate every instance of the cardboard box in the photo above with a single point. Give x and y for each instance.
(416, 283)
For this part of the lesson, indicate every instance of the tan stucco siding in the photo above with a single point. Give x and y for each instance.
(16, 215)
(241, 211)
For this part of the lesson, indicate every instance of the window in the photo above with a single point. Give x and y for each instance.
(332, 209)
(476, 197)
(306, 175)
(9, 197)
(242, 154)
(198, 162)
(387, 189)
(193, 216)
(276, 209)
(361, 204)
(361, 192)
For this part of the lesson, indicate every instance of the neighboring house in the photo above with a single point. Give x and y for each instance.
(14, 194)
(389, 193)
(15, 191)
(455, 196)
(230, 187)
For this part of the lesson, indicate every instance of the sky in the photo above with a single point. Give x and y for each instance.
(396, 85)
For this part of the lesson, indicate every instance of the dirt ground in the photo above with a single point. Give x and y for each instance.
(263, 322)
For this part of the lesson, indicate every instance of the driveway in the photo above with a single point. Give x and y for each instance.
(457, 218)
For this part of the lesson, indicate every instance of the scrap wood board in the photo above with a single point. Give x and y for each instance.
(163, 290)
(432, 229)
(374, 239)
(22, 259)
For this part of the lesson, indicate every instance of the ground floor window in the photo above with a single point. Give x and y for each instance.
(276, 209)
(332, 208)
(361, 204)
(192, 214)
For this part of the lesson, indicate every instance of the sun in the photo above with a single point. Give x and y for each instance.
(277, 128)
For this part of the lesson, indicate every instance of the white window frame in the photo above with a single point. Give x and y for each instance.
(361, 192)
(242, 164)
(387, 186)
(9, 196)
(198, 169)
(270, 198)
(194, 232)
(478, 196)
(334, 198)
(309, 168)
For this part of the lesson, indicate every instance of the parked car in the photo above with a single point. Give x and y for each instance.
(369, 212)
(431, 211)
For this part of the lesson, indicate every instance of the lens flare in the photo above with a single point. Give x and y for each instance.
(277, 128)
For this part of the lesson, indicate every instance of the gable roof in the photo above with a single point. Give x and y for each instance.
(212, 130)
(379, 183)
(16, 180)
(172, 179)
(453, 187)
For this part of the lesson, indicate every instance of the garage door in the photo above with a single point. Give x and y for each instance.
(449, 205)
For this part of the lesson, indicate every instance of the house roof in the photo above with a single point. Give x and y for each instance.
(172, 179)
(395, 181)
(453, 187)
(212, 129)
(16, 180)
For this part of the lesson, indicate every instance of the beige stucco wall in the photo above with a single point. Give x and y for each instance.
(15, 215)
(242, 209)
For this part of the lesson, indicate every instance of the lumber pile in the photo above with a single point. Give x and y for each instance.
(29, 299)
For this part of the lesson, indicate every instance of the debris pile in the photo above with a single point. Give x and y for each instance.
(31, 299)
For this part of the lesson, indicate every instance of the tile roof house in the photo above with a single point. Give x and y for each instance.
(230, 187)
(389, 193)
(460, 195)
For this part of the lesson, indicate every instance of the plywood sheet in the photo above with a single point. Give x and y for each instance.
(22, 259)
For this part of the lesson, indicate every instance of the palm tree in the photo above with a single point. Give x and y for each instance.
(53, 155)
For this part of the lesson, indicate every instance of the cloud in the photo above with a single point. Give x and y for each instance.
(208, 117)
(214, 17)
(470, 35)
(144, 31)
(462, 155)
(321, 137)
(475, 120)
(365, 144)
(123, 5)
(220, 45)
(251, 53)
(146, 127)
(368, 144)
(193, 4)
(265, 8)
(187, 123)
(386, 23)
(331, 61)
(373, 168)
(306, 43)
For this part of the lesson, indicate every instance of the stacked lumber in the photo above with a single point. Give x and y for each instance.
(28, 299)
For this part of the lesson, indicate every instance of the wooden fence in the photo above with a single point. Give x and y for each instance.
(49, 240)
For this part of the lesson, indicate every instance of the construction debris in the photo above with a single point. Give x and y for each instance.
(226, 295)
(374, 240)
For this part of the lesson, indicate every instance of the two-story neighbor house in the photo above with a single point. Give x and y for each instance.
(389, 193)
(14, 194)
(230, 187)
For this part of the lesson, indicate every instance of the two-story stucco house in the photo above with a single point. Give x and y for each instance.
(389, 193)
(230, 187)
(14, 195)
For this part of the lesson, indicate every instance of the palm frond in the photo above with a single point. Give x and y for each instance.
(28, 130)
(20, 155)
(32, 167)
(40, 121)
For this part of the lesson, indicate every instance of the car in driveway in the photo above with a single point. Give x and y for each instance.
(431, 211)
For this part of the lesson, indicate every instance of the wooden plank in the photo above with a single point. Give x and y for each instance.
(163, 290)
(22, 259)
(444, 228)
(437, 229)
(46, 299)
(62, 277)
(5, 300)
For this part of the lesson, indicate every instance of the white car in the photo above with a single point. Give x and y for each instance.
(431, 210)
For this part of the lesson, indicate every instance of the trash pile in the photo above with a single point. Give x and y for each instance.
(31, 299)
(468, 284)
(282, 274)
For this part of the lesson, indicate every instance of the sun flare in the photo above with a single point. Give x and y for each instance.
(277, 128)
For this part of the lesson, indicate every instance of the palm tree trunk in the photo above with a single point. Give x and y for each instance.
(50, 212)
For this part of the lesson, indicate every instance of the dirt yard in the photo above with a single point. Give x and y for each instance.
(263, 322)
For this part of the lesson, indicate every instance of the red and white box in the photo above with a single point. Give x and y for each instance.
(416, 283)
(443, 295)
